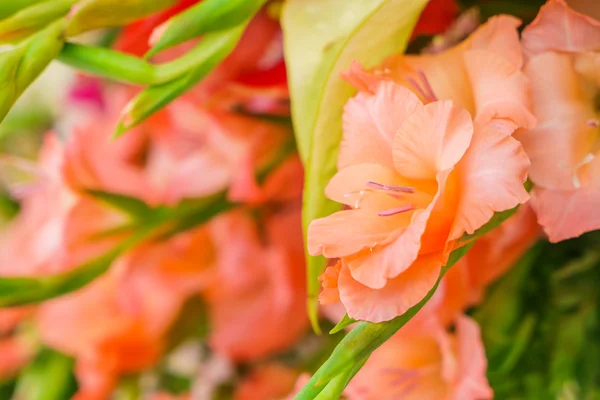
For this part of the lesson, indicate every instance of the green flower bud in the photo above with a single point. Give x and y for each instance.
(88, 15)
(32, 18)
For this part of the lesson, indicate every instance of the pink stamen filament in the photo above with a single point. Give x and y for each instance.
(417, 87)
(594, 123)
(396, 210)
(431, 95)
(392, 188)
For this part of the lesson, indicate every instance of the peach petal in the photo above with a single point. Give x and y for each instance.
(499, 35)
(346, 186)
(432, 140)
(562, 139)
(370, 123)
(559, 28)
(566, 214)
(396, 297)
(493, 172)
(472, 363)
(350, 231)
(499, 89)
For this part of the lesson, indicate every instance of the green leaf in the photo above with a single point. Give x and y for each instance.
(32, 18)
(49, 377)
(206, 16)
(8, 8)
(94, 14)
(322, 37)
(132, 206)
(365, 338)
(212, 50)
(345, 322)
(101, 61)
(21, 65)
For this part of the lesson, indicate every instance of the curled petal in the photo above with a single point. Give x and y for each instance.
(566, 214)
(397, 296)
(559, 28)
(500, 36)
(432, 140)
(351, 231)
(562, 138)
(500, 90)
(492, 175)
(370, 122)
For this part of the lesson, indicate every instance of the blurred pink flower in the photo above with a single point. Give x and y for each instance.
(423, 361)
(257, 304)
(270, 381)
(426, 363)
(416, 178)
(563, 63)
(117, 324)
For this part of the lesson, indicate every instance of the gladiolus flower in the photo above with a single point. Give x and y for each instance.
(563, 64)
(416, 177)
(260, 284)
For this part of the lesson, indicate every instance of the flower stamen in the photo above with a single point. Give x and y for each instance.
(391, 188)
(396, 210)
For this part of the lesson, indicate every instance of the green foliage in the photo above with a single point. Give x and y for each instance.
(210, 52)
(49, 377)
(95, 14)
(541, 323)
(21, 65)
(205, 17)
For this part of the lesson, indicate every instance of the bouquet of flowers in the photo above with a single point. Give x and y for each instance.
(299, 199)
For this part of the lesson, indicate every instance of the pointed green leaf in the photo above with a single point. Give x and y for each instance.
(345, 322)
(321, 38)
(49, 377)
(129, 205)
(101, 61)
(8, 8)
(206, 16)
(211, 51)
(21, 65)
(88, 15)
